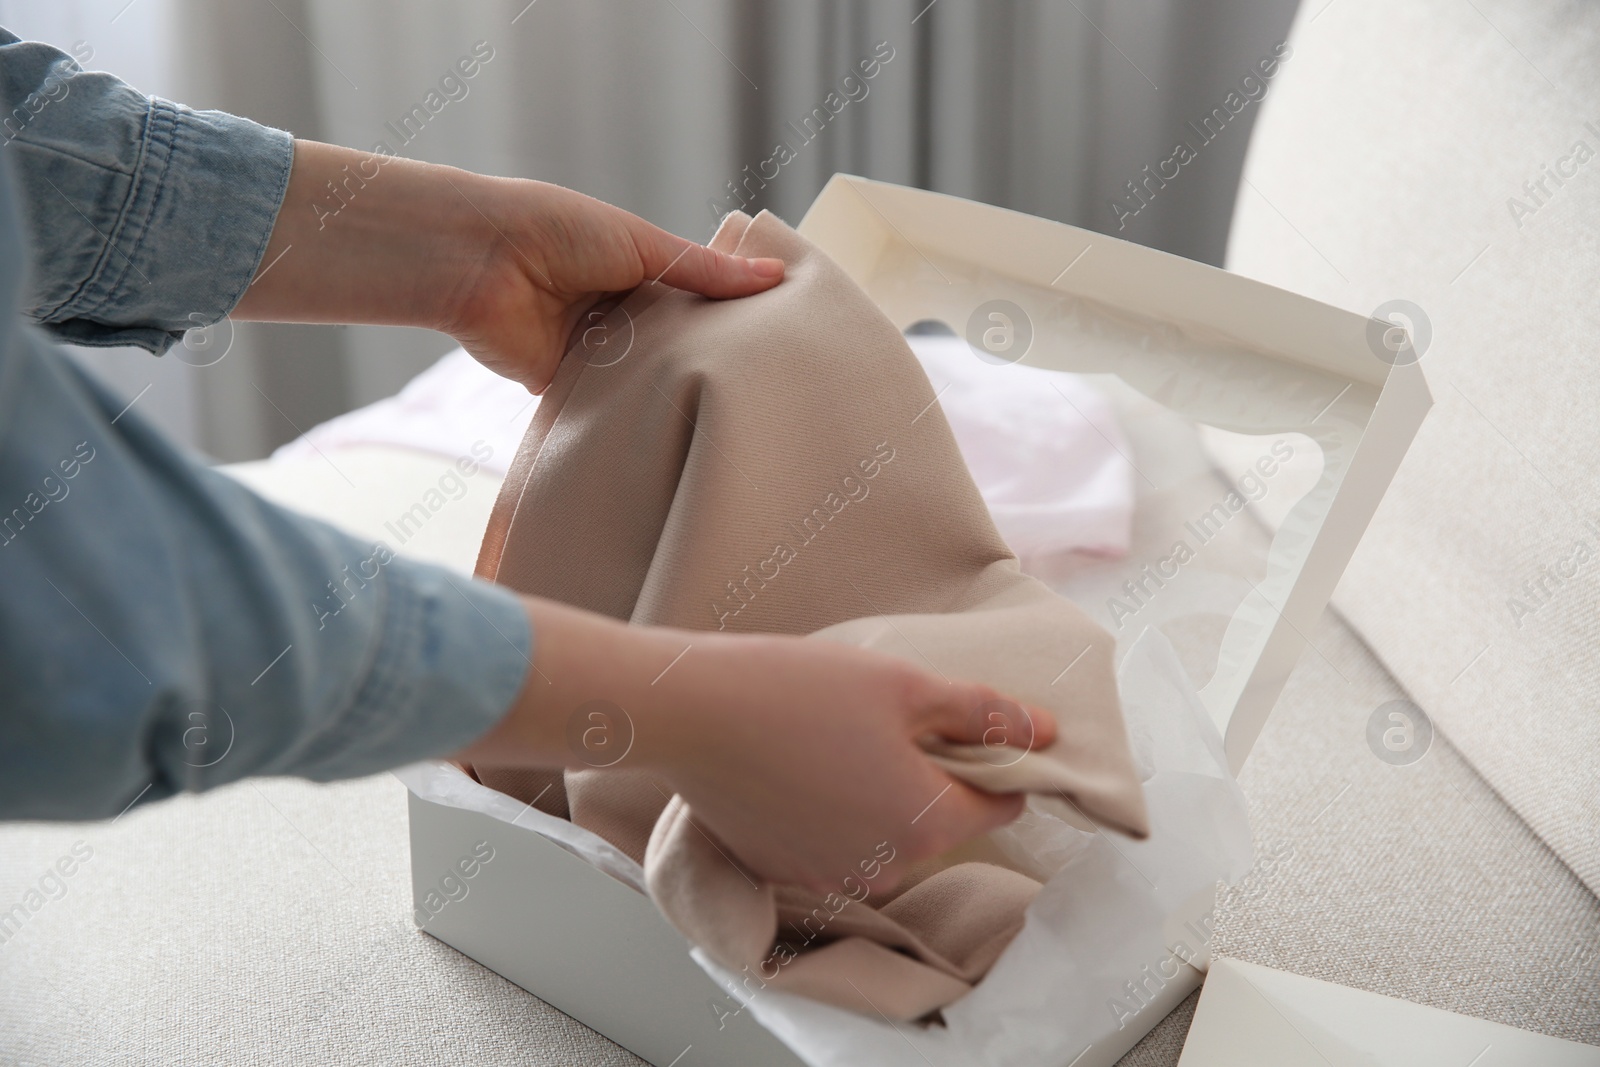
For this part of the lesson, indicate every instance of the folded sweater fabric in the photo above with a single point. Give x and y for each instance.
(1044, 446)
(778, 464)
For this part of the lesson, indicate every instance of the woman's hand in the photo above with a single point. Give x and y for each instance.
(505, 266)
(801, 755)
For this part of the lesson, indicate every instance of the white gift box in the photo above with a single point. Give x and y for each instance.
(1304, 412)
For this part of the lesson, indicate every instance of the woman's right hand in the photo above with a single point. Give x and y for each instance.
(801, 755)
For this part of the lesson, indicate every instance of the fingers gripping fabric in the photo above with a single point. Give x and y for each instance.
(779, 464)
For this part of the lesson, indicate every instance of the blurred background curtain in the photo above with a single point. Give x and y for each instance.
(1051, 107)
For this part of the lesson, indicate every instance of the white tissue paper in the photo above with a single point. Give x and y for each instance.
(1043, 446)
(1100, 928)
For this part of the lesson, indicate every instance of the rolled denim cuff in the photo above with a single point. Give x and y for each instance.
(452, 656)
(189, 234)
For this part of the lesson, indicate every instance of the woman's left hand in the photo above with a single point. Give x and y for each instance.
(507, 267)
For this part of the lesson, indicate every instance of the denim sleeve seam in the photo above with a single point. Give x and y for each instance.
(155, 161)
(162, 153)
(396, 706)
(99, 290)
(374, 682)
(66, 308)
(24, 140)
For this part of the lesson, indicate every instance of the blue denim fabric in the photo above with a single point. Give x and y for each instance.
(150, 218)
(161, 627)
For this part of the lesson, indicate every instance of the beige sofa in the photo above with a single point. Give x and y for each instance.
(270, 922)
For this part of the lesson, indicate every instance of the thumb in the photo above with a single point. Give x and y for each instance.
(978, 715)
(686, 265)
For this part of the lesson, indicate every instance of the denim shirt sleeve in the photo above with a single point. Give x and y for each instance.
(161, 627)
(155, 216)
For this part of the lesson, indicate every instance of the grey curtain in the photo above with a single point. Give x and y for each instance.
(675, 109)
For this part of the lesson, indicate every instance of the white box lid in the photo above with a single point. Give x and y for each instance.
(1223, 350)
